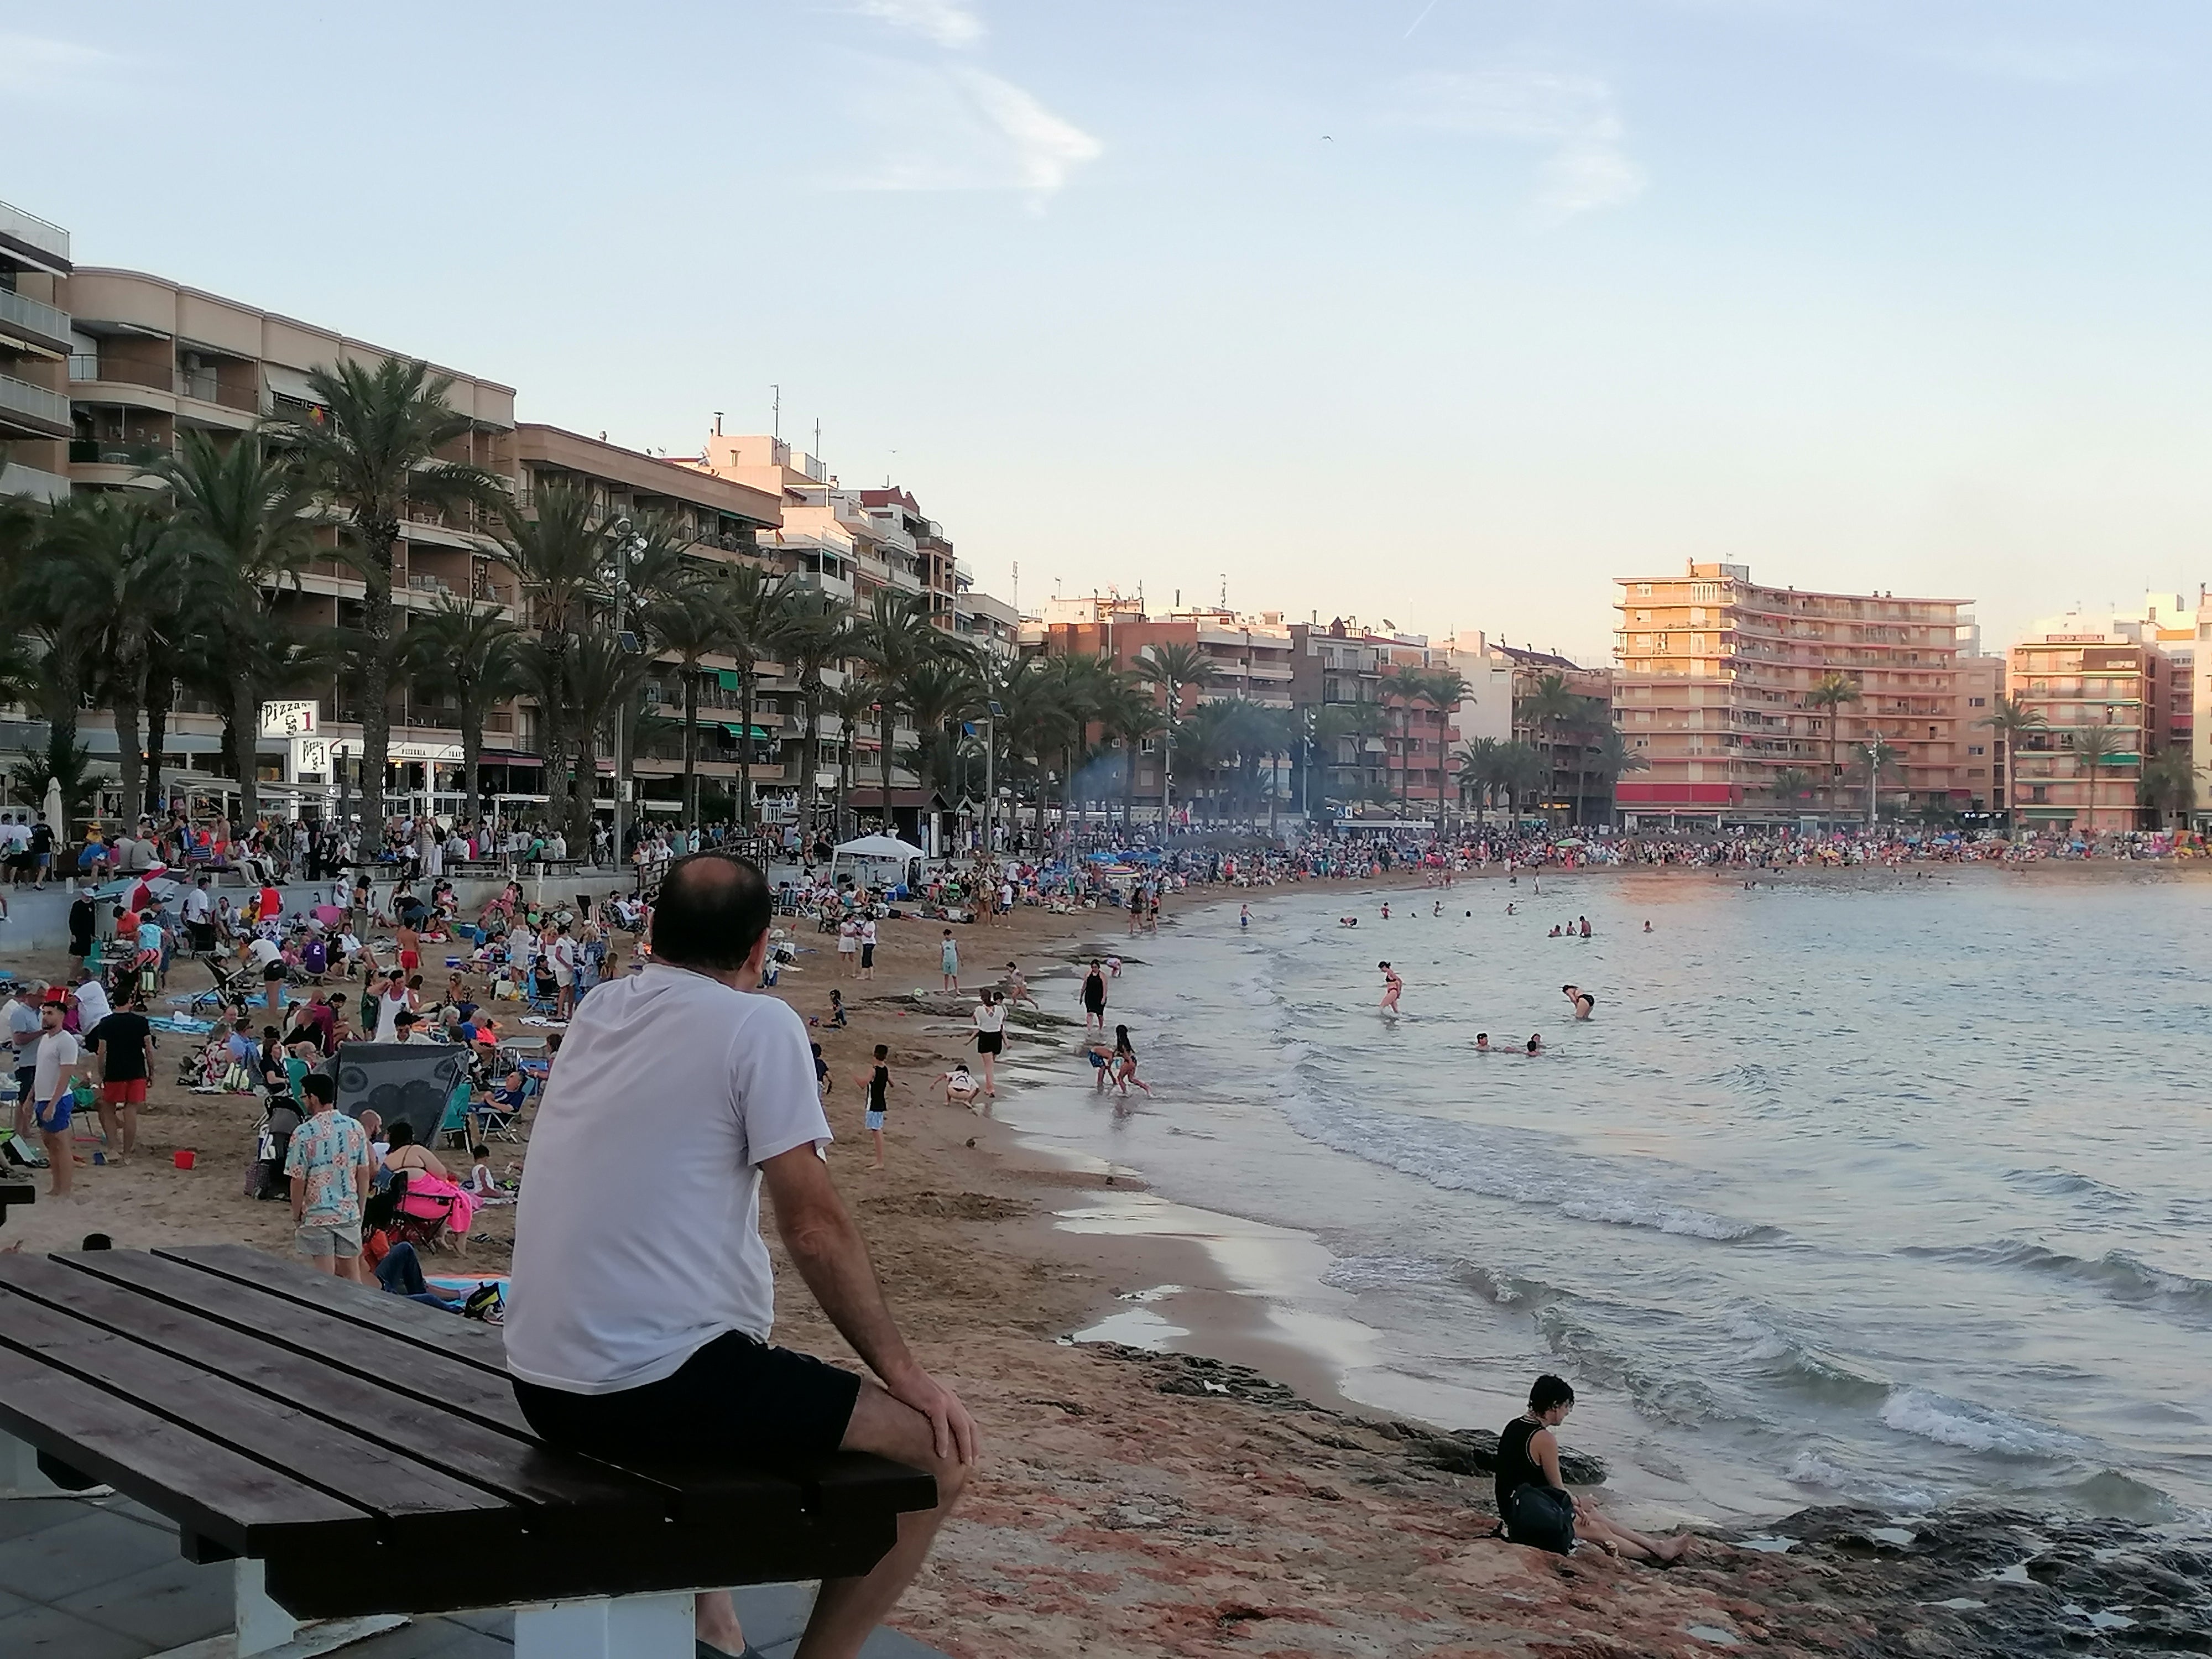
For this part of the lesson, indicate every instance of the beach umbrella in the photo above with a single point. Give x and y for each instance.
(54, 807)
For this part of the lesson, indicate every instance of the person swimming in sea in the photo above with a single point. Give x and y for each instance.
(1647, 926)
(1535, 1043)
(1482, 1043)
(1535, 1507)
(1583, 999)
(1392, 985)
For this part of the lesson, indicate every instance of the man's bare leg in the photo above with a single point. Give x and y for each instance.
(1595, 1527)
(848, 1609)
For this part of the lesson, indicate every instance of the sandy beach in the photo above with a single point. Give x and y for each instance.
(1218, 1501)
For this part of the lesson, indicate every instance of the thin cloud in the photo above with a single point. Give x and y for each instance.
(1575, 115)
(957, 127)
(2046, 63)
(945, 22)
(34, 66)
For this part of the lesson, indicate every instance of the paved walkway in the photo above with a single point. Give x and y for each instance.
(100, 1578)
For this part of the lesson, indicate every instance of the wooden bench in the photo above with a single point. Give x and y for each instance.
(358, 1454)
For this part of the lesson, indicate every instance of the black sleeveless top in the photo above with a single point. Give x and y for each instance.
(1516, 1469)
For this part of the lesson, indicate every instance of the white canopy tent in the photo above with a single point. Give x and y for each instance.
(878, 851)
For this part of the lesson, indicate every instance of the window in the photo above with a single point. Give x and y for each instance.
(2039, 794)
(1976, 749)
(1643, 590)
(1977, 702)
(1148, 746)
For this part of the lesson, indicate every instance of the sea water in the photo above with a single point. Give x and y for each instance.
(1892, 1190)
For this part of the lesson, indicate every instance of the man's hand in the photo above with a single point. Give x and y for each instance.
(950, 1427)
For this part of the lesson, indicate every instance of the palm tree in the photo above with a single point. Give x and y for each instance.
(895, 639)
(691, 624)
(1175, 666)
(2010, 720)
(604, 680)
(940, 694)
(816, 632)
(470, 654)
(1548, 704)
(240, 513)
(1612, 758)
(1360, 722)
(1790, 783)
(1409, 683)
(1522, 770)
(373, 449)
(2096, 747)
(850, 705)
(129, 571)
(1831, 692)
(1478, 773)
(1130, 715)
(2169, 785)
(1444, 691)
(758, 608)
(1877, 754)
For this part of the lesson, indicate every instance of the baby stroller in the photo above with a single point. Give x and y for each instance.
(265, 1175)
(233, 986)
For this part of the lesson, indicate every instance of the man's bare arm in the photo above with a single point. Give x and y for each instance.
(832, 1257)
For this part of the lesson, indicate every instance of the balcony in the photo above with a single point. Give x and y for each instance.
(16, 480)
(40, 243)
(32, 410)
(33, 322)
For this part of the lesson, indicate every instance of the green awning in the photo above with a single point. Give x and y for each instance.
(727, 679)
(736, 729)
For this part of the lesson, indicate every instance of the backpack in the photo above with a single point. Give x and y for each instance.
(1541, 1517)
(486, 1302)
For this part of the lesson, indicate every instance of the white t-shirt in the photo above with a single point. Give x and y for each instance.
(388, 1010)
(624, 1264)
(263, 951)
(23, 1028)
(198, 907)
(990, 1017)
(56, 1050)
(92, 1005)
(848, 936)
(868, 931)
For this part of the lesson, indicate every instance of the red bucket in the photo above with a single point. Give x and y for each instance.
(185, 1159)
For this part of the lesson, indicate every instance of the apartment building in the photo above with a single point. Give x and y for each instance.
(723, 522)
(34, 349)
(1713, 690)
(1370, 743)
(147, 361)
(2074, 679)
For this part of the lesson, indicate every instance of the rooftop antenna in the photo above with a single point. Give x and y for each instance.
(775, 427)
(1224, 590)
(818, 440)
(718, 423)
(1017, 600)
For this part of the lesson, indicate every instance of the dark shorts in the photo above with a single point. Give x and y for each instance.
(990, 1042)
(735, 1400)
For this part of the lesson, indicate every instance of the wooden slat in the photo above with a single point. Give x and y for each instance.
(406, 1496)
(562, 1491)
(464, 1339)
(695, 1497)
(403, 1366)
(846, 1484)
(205, 1487)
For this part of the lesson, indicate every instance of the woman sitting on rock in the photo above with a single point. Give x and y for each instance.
(1532, 1502)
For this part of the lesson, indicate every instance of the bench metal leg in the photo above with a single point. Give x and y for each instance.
(21, 1477)
(618, 1627)
(261, 1625)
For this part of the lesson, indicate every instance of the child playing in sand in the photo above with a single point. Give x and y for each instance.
(836, 1011)
(1099, 1052)
(960, 1085)
(949, 962)
(481, 1183)
(878, 1082)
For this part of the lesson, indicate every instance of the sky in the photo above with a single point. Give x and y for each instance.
(1438, 312)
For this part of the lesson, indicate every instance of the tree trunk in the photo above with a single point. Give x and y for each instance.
(691, 744)
(160, 696)
(583, 803)
(130, 755)
(553, 719)
(472, 719)
(886, 731)
(745, 743)
(811, 751)
(245, 723)
(380, 535)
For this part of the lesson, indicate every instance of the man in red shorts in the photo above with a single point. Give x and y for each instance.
(124, 1042)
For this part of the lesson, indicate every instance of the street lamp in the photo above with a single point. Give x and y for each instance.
(990, 777)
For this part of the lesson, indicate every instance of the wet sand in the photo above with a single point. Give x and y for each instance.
(1128, 1504)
